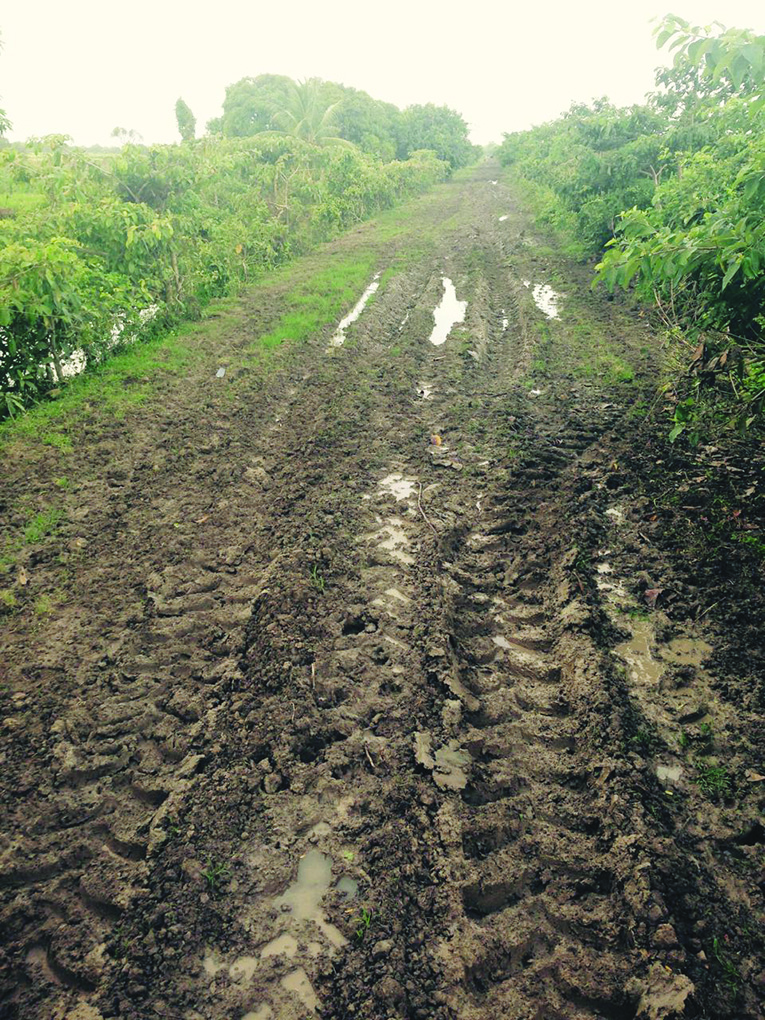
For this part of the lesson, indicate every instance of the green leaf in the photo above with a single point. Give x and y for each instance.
(676, 430)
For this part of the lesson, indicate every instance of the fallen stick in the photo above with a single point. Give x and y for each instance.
(424, 515)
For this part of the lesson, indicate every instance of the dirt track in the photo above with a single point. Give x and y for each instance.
(296, 627)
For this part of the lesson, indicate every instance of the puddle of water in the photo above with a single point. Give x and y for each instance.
(339, 338)
(669, 772)
(74, 364)
(503, 218)
(398, 486)
(297, 982)
(449, 313)
(261, 1012)
(546, 300)
(304, 896)
(77, 360)
(243, 968)
(348, 886)
(643, 667)
(283, 945)
(212, 964)
(684, 651)
(396, 542)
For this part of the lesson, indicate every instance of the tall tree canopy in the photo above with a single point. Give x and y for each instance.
(187, 122)
(318, 110)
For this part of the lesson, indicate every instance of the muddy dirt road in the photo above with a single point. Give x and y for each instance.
(382, 680)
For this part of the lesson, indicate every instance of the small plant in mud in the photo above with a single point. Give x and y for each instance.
(643, 740)
(43, 605)
(713, 779)
(730, 972)
(215, 874)
(41, 525)
(363, 924)
(317, 578)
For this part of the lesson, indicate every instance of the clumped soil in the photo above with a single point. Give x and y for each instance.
(390, 680)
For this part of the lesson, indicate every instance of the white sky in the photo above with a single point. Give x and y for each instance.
(81, 67)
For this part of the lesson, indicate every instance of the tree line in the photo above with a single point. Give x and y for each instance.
(166, 228)
(669, 195)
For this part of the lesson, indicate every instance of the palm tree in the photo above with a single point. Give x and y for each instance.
(307, 114)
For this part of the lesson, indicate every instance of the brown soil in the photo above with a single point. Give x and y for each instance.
(289, 743)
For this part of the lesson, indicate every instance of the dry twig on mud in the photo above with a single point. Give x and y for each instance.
(424, 515)
(369, 757)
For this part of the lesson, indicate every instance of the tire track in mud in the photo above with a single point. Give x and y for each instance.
(376, 690)
(545, 928)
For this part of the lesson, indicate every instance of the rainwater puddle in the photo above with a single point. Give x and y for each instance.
(392, 538)
(684, 651)
(262, 1012)
(211, 964)
(449, 313)
(297, 982)
(643, 667)
(283, 945)
(503, 218)
(77, 360)
(244, 968)
(339, 338)
(545, 298)
(348, 886)
(74, 364)
(669, 772)
(304, 896)
(398, 486)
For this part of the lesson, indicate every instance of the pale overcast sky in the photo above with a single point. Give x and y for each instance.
(81, 67)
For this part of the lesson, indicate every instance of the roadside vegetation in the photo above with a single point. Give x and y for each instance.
(98, 249)
(668, 196)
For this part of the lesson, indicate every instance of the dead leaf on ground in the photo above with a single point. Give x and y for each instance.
(651, 594)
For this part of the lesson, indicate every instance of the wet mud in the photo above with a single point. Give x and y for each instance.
(370, 688)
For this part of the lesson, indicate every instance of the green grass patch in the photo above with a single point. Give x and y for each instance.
(320, 300)
(21, 201)
(42, 525)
